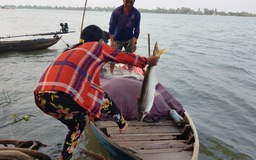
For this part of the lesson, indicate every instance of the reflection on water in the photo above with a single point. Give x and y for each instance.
(216, 149)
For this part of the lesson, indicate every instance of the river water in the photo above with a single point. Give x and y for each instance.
(209, 65)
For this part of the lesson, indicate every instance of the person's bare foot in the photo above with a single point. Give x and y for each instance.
(122, 129)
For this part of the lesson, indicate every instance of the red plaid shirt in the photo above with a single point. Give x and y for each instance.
(77, 73)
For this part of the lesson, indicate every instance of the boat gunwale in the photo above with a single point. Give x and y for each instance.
(195, 134)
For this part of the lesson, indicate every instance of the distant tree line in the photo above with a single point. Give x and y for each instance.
(206, 11)
(182, 10)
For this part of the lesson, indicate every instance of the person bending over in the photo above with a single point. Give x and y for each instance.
(69, 89)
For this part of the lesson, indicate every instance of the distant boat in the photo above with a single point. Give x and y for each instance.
(28, 45)
(33, 44)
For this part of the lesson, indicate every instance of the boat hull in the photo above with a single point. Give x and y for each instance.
(150, 141)
(28, 45)
(113, 150)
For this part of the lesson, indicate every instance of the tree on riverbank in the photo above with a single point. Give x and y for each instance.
(182, 10)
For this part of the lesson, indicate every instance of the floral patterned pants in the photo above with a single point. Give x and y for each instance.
(62, 107)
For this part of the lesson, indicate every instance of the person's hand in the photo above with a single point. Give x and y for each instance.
(134, 47)
(153, 60)
(111, 44)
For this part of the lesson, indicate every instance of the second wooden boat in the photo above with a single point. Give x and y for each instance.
(28, 45)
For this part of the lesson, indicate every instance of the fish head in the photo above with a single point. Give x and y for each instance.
(141, 116)
(140, 109)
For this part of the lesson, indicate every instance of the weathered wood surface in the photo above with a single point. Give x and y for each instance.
(151, 141)
(167, 122)
(145, 137)
(21, 150)
(167, 156)
(14, 155)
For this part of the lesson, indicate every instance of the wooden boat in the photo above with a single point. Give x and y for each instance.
(162, 139)
(28, 45)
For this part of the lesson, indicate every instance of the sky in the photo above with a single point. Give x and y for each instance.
(220, 5)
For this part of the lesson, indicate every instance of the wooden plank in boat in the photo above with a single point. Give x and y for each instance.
(178, 156)
(161, 150)
(141, 134)
(160, 123)
(141, 137)
(110, 123)
(145, 129)
(139, 145)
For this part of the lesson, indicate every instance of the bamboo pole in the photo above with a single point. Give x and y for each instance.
(82, 24)
(148, 44)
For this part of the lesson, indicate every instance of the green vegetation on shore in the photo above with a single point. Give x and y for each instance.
(182, 10)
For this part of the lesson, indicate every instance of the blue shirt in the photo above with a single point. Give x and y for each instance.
(124, 27)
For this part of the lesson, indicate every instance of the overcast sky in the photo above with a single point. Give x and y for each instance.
(220, 5)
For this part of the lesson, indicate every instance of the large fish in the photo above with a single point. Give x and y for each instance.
(146, 99)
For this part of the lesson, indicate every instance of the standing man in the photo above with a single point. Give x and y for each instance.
(124, 28)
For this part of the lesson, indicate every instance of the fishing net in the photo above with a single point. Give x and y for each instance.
(126, 91)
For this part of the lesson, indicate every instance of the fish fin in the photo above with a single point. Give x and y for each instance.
(161, 52)
(156, 51)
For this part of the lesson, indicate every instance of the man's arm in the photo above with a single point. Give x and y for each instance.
(111, 36)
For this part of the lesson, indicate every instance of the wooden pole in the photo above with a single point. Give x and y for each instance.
(82, 24)
(148, 44)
